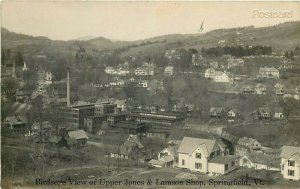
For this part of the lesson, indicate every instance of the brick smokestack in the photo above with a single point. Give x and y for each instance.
(68, 88)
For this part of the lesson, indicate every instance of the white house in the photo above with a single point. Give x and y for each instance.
(233, 113)
(209, 73)
(279, 89)
(258, 160)
(290, 162)
(233, 62)
(169, 70)
(204, 155)
(246, 145)
(260, 89)
(144, 71)
(267, 72)
(167, 157)
(278, 113)
(221, 77)
(143, 83)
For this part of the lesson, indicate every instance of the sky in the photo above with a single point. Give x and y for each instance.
(66, 20)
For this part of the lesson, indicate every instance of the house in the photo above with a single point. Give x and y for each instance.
(214, 64)
(210, 73)
(285, 65)
(264, 113)
(290, 162)
(273, 152)
(155, 85)
(43, 128)
(56, 140)
(121, 104)
(221, 77)
(142, 83)
(204, 155)
(260, 89)
(79, 135)
(233, 114)
(166, 158)
(248, 89)
(16, 124)
(259, 161)
(44, 77)
(125, 150)
(169, 70)
(266, 72)
(279, 89)
(246, 145)
(278, 113)
(168, 155)
(216, 112)
(144, 71)
(234, 62)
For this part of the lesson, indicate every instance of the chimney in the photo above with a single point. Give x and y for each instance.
(68, 88)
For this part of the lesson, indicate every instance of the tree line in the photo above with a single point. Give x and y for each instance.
(237, 51)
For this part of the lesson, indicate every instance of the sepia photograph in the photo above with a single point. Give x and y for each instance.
(150, 94)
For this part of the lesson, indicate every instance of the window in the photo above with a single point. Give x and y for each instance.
(226, 167)
(291, 172)
(183, 162)
(198, 165)
(198, 155)
(282, 167)
(291, 163)
(232, 164)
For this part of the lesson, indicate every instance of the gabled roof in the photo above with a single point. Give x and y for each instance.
(189, 144)
(217, 109)
(290, 151)
(247, 140)
(15, 120)
(156, 162)
(259, 85)
(268, 69)
(167, 158)
(222, 159)
(79, 134)
(261, 158)
(278, 85)
(55, 139)
(172, 150)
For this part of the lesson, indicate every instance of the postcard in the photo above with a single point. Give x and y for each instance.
(150, 94)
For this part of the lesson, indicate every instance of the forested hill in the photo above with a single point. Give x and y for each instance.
(281, 37)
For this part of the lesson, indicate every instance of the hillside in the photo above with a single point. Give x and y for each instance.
(281, 37)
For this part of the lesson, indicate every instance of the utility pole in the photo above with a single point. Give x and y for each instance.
(118, 159)
(68, 88)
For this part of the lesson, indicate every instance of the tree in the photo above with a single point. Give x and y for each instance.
(9, 87)
(292, 55)
(288, 106)
(19, 60)
(286, 54)
(297, 51)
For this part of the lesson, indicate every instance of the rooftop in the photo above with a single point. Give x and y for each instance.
(288, 151)
(222, 159)
(189, 144)
(79, 134)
